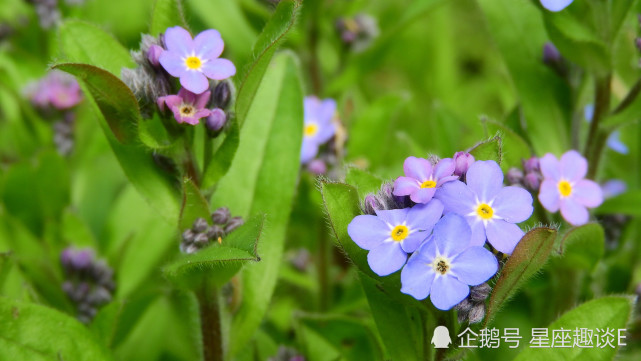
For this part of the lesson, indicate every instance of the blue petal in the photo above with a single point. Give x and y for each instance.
(474, 266)
(452, 235)
(368, 231)
(386, 258)
(417, 275)
(485, 178)
(503, 236)
(456, 197)
(556, 5)
(394, 217)
(447, 292)
(615, 143)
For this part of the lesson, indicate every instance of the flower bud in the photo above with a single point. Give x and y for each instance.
(477, 313)
(551, 54)
(532, 181)
(531, 165)
(222, 95)
(216, 120)
(463, 162)
(201, 239)
(200, 225)
(221, 216)
(317, 166)
(214, 232)
(233, 224)
(188, 236)
(479, 293)
(514, 176)
(153, 54)
(370, 205)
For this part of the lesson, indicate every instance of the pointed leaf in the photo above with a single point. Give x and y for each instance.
(167, 13)
(364, 181)
(223, 155)
(491, 149)
(583, 246)
(194, 205)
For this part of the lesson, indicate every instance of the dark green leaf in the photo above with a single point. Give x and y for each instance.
(82, 42)
(194, 205)
(37, 331)
(528, 258)
(262, 180)
(5, 266)
(269, 40)
(218, 262)
(223, 155)
(167, 13)
(607, 313)
(583, 246)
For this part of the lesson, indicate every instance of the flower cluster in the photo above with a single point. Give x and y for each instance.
(201, 234)
(320, 125)
(442, 223)
(89, 281)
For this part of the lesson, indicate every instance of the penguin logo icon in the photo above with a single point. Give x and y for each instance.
(441, 337)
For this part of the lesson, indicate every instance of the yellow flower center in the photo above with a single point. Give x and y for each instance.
(310, 130)
(187, 110)
(400, 232)
(428, 184)
(485, 211)
(193, 62)
(565, 188)
(441, 265)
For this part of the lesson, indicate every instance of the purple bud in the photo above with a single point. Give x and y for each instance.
(531, 165)
(214, 232)
(66, 257)
(201, 239)
(188, 236)
(463, 161)
(479, 293)
(370, 202)
(317, 167)
(200, 225)
(82, 259)
(551, 54)
(222, 95)
(216, 120)
(233, 224)
(153, 54)
(477, 313)
(532, 181)
(221, 216)
(514, 176)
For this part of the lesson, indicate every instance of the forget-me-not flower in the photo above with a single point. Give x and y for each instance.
(318, 126)
(422, 180)
(186, 106)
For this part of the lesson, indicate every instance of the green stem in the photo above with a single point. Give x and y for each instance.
(629, 98)
(207, 150)
(593, 149)
(210, 324)
(324, 249)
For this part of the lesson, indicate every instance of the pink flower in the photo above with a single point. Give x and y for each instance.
(186, 106)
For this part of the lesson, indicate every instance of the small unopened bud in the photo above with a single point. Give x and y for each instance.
(531, 165)
(201, 239)
(477, 313)
(221, 216)
(463, 162)
(153, 55)
(200, 225)
(638, 290)
(222, 95)
(188, 236)
(233, 224)
(216, 120)
(99, 296)
(317, 166)
(464, 306)
(551, 54)
(370, 205)
(214, 232)
(532, 181)
(514, 176)
(479, 293)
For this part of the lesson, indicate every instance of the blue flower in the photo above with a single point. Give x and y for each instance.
(390, 235)
(445, 265)
(318, 127)
(556, 5)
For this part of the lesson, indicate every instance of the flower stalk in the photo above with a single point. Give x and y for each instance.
(594, 147)
(210, 321)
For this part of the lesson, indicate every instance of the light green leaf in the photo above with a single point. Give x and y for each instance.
(583, 246)
(626, 203)
(224, 150)
(167, 13)
(30, 330)
(515, 148)
(491, 149)
(218, 262)
(364, 181)
(113, 322)
(194, 205)
(607, 313)
(262, 179)
(81, 42)
(528, 258)
(266, 45)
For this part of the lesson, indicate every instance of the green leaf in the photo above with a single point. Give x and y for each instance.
(167, 13)
(262, 180)
(626, 203)
(583, 247)
(516, 147)
(519, 34)
(224, 151)
(399, 326)
(266, 45)
(218, 262)
(491, 149)
(194, 205)
(364, 182)
(81, 42)
(607, 313)
(528, 258)
(117, 113)
(113, 322)
(5, 265)
(33, 330)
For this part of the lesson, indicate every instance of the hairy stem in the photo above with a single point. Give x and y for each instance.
(324, 258)
(593, 149)
(210, 324)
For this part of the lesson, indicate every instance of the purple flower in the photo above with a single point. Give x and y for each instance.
(445, 265)
(390, 235)
(490, 209)
(556, 5)
(186, 106)
(57, 89)
(563, 187)
(422, 179)
(318, 127)
(317, 166)
(613, 188)
(193, 61)
(463, 162)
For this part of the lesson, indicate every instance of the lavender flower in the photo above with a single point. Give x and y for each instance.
(193, 61)
(318, 127)
(445, 265)
(556, 5)
(613, 188)
(392, 234)
(422, 179)
(57, 90)
(490, 209)
(186, 106)
(563, 187)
